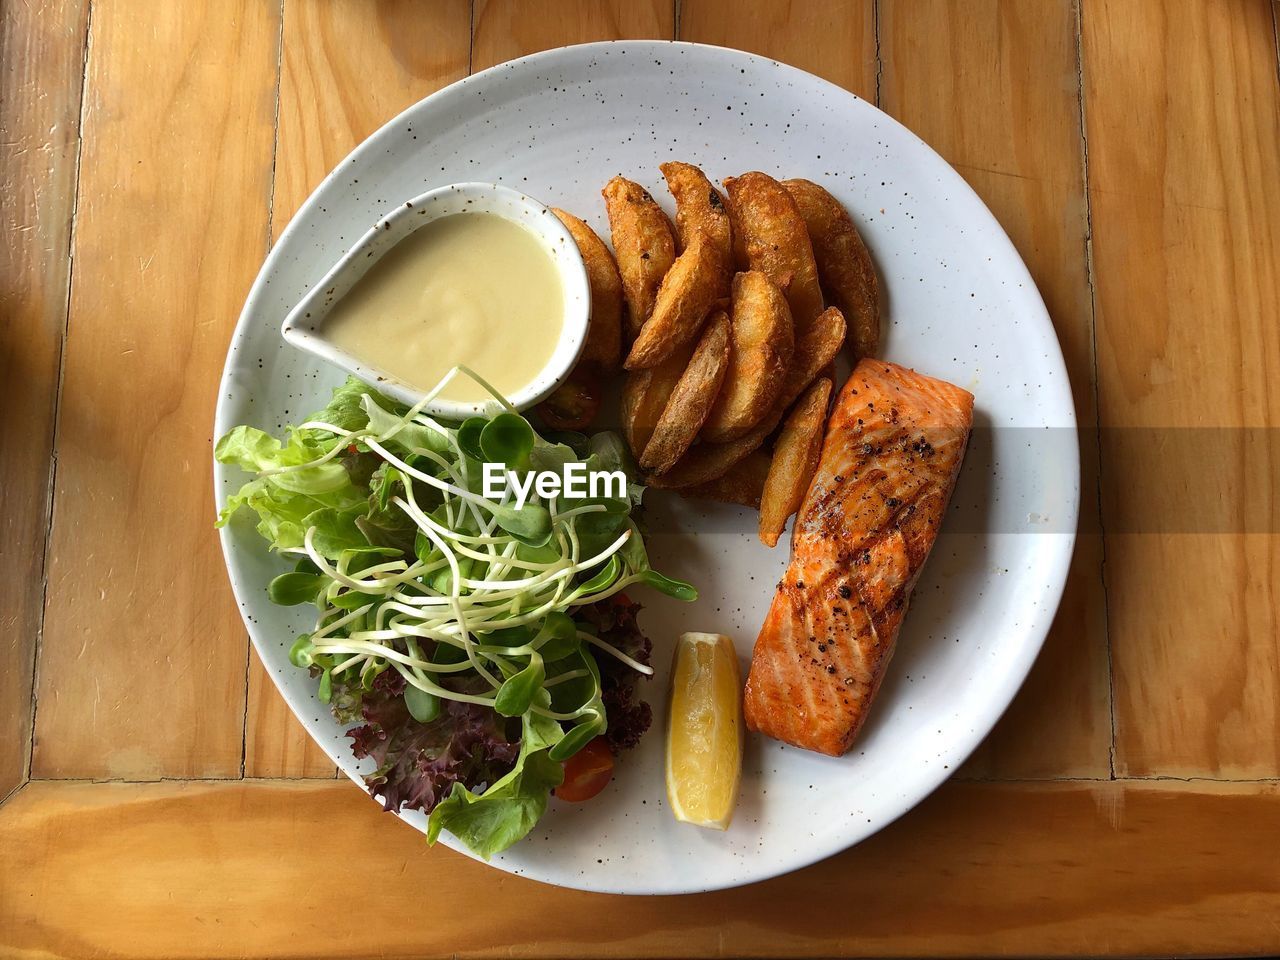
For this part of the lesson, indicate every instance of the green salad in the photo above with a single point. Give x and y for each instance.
(476, 645)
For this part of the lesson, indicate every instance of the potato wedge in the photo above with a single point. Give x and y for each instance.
(644, 397)
(844, 264)
(795, 459)
(761, 342)
(689, 290)
(815, 348)
(692, 398)
(575, 403)
(603, 346)
(776, 241)
(643, 243)
(707, 461)
(740, 260)
(742, 485)
(699, 207)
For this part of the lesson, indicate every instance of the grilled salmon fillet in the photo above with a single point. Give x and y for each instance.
(889, 463)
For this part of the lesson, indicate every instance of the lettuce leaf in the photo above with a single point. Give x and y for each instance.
(507, 810)
(383, 415)
(345, 409)
(328, 496)
(490, 822)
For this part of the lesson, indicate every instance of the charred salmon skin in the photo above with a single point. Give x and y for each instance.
(889, 462)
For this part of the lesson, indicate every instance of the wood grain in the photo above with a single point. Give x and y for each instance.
(347, 68)
(41, 53)
(275, 743)
(506, 29)
(1005, 62)
(258, 868)
(1184, 147)
(836, 41)
(142, 664)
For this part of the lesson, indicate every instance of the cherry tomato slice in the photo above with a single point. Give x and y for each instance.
(587, 772)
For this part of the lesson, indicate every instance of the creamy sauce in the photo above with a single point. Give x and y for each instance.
(472, 288)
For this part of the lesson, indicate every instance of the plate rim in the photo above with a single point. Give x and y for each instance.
(1055, 558)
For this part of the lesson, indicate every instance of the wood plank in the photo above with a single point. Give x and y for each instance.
(506, 29)
(178, 870)
(347, 68)
(1008, 119)
(1185, 194)
(143, 657)
(275, 743)
(41, 56)
(835, 41)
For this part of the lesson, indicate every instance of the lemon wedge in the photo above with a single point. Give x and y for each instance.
(704, 730)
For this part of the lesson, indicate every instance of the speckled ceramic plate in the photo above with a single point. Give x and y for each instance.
(959, 304)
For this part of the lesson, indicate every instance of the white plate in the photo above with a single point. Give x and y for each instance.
(959, 305)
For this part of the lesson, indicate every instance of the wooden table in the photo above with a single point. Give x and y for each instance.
(161, 801)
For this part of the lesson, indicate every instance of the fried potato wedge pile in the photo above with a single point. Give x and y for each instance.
(726, 325)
